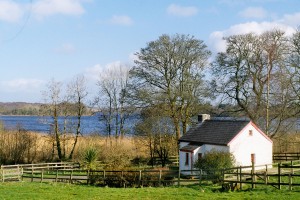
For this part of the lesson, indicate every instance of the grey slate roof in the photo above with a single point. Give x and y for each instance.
(218, 132)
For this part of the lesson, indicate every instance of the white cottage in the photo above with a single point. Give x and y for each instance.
(242, 138)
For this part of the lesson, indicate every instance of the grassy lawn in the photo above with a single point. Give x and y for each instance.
(27, 190)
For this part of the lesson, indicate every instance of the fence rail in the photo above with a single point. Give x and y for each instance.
(16, 172)
(282, 174)
(276, 175)
(70, 172)
(126, 178)
(285, 156)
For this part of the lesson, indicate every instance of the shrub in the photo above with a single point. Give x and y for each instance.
(214, 162)
(90, 157)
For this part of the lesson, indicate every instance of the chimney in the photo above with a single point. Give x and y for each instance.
(203, 117)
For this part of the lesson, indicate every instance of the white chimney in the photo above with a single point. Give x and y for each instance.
(203, 117)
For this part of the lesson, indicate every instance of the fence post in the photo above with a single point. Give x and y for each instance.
(292, 169)
(253, 175)
(42, 175)
(71, 176)
(88, 177)
(140, 178)
(200, 176)
(223, 174)
(290, 182)
(178, 178)
(241, 184)
(237, 175)
(279, 176)
(32, 173)
(56, 176)
(2, 174)
(22, 173)
(159, 178)
(266, 177)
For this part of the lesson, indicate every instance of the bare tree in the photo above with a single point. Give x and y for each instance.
(78, 97)
(67, 105)
(252, 74)
(53, 100)
(158, 134)
(112, 99)
(294, 63)
(169, 71)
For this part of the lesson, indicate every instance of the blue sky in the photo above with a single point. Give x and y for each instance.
(45, 39)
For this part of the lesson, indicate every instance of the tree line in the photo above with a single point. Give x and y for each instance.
(174, 78)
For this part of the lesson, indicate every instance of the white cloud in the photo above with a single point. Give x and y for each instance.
(66, 48)
(10, 11)
(43, 8)
(291, 19)
(121, 20)
(219, 45)
(182, 11)
(254, 12)
(113, 69)
(22, 84)
(92, 73)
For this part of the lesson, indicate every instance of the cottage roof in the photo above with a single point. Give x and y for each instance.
(218, 132)
(189, 148)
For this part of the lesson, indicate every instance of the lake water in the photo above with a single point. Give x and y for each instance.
(89, 124)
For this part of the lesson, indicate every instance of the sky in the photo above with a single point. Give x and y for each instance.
(41, 40)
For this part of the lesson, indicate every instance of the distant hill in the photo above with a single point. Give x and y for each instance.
(19, 108)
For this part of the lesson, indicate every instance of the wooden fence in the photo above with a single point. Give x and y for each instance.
(281, 174)
(16, 172)
(126, 178)
(279, 157)
(277, 175)
(70, 172)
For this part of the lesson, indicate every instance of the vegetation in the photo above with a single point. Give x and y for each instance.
(260, 74)
(17, 146)
(58, 104)
(112, 100)
(257, 77)
(90, 157)
(157, 135)
(18, 108)
(168, 73)
(25, 190)
(213, 162)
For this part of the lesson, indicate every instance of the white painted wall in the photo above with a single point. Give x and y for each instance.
(193, 157)
(182, 157)
(243, 145)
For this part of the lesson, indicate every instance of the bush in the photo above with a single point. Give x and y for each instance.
(90, 157)
(214, 162)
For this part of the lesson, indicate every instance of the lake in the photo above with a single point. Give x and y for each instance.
(89, 124)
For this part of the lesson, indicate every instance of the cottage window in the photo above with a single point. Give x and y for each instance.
(186, 158)
(250, 132)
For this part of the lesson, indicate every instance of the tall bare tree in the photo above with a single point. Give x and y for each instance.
(53, 100)
(66, 106)
(294, 63)
(78, 93)
(112, 99)
(157, 133)
(253, 74)
(169, 71)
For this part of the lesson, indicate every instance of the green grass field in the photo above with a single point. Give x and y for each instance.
(28, 190)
